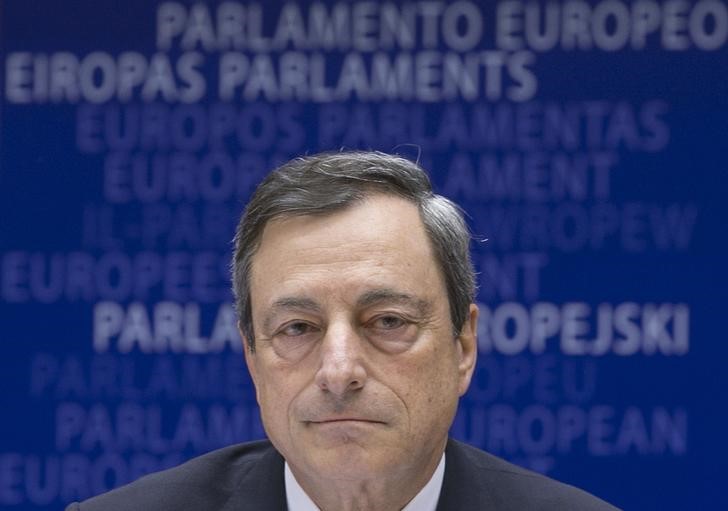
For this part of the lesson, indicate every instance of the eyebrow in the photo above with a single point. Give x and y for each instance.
(288, 303)
(387, 295)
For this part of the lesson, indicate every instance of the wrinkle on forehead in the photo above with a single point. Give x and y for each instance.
(399, 216)
(370, 245)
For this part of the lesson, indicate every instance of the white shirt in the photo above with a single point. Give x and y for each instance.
(425, 500)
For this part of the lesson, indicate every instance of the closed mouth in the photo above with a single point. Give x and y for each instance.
(344, 419)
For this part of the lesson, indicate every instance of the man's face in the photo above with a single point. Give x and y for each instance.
(356, 369)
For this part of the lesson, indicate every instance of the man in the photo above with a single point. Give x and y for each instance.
(354, 290)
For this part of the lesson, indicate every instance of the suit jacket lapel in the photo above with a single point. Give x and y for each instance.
(261, 487)
(462, 485)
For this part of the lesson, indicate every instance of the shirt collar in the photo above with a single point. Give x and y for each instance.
(425, 500)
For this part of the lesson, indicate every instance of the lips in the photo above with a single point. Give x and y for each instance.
(322, 408)
(334, 420)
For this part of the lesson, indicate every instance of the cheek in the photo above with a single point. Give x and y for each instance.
(430, 384)
(272, 397)
(439, 380)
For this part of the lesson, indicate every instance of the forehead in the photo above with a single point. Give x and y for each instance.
(370, 243)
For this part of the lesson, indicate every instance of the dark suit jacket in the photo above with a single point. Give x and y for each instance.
(250, 477)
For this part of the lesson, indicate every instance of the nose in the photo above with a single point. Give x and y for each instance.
(342, 366)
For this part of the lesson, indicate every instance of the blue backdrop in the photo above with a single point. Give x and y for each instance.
(586, 140)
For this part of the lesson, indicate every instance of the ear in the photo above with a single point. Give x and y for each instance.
(467, 349)
(249, 359)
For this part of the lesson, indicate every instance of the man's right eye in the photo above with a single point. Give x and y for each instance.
(294, 340)
(296, 329)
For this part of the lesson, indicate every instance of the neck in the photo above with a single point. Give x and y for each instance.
(390, 491)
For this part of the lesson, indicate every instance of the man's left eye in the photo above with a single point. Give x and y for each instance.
(391, 333)
(388, 322)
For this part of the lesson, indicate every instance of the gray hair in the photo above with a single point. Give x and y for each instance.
(329, 182)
